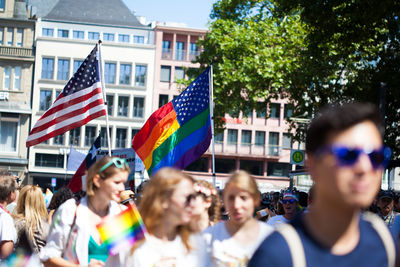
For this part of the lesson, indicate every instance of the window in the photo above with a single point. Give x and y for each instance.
(20, 37)
(273, 142)
(63, 33)
(199, 165)
(134, 132)
(179, 73)
(137, 39)
(252, 166)
(138, 105)
(246, 137)
(49, 160)
(103, 136)
(219, 138)
(75, 137)
(90, 135)
(165, 74)
(78, 34)
(63, 69)
(77, 64)
(278, 169)
(2, 5)
(274, 110)
(47, 32)
(125, 74)
(123, 104)
(193, 49)
(7, 78)
(162, 100)
(166, 46)
(108, 37)
(110, 104)
(225, 165)
(288, 110)
(17, 78)
(179, 51)
(47, 68)
(286, 141)
(45, 100)
(232, 136)
(120, 140)
(140, 75)
(93, 36)
(1, 35)
(9, 123)
(10, 36)
(58, 92)
(260, 138)
(109, 72)
(123, 38)
(260, 112)
(58, 140)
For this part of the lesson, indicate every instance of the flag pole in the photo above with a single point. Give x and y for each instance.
(104, 96)
(211, 87)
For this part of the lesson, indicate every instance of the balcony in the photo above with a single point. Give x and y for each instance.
(166, 54)
(16, 51)
(180, 55)
(193, 55)
(251, 149)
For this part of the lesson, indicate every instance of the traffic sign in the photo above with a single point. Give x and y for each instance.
(297, 157)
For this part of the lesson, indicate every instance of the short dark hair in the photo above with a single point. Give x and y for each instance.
(337, 118)
(7, 184)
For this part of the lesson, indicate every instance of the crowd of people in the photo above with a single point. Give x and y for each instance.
(343, 220)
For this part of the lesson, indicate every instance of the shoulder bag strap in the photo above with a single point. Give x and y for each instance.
(294, 242)
(383, 232)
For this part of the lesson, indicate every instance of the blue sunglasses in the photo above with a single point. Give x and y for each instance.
(346, 156)
(285, 201)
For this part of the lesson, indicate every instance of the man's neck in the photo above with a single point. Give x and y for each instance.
(336, 228)
(4, 204)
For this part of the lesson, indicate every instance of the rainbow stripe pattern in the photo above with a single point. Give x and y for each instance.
(179, 132)
(122, 230)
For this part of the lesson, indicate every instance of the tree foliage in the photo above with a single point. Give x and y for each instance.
(313, 51)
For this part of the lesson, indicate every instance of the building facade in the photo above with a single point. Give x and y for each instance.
(65, 36)
(16, 67)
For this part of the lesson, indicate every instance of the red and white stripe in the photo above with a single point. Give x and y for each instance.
(67, 113)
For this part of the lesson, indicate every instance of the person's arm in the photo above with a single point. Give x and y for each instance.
(6, 248)
(60, 262)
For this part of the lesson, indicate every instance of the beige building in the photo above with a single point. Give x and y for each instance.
(16, 67)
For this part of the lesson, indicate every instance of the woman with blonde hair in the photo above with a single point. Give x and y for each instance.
(30, 217)
(207, 206)
(233, 242)
(165, 207)
(74, 239)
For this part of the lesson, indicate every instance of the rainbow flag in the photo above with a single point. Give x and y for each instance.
(179, 132)
(122, 230)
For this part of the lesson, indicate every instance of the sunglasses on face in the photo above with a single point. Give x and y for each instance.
(118, 162)
(291, 201)
(346, 156)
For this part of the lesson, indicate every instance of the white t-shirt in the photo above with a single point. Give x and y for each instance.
(226, 251)
(155, 252)
(277, 220)
(7, 228)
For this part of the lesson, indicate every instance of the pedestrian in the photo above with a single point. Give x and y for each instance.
(165, 207)
(290, 204)
(345, 158)
(30, 218)
(59, 197)
(384, 203)
(207, 206)
(8, 235)
(73, 237)
(233, 242)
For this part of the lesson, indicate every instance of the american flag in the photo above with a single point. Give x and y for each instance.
(80, 102)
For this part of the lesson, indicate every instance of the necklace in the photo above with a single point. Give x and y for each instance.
(100, 213)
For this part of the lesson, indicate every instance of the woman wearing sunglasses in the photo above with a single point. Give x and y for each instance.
(290, 206)
(166, 209)
(233, 242)
(74, 239)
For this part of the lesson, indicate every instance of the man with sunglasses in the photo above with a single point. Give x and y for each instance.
(290, 206)
(345, 158)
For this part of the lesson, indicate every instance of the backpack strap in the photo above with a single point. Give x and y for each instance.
(384, 233)
(294, 242)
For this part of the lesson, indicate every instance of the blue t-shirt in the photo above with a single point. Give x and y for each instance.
(274, 250)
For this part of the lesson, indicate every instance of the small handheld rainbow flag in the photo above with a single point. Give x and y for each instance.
(122, 230)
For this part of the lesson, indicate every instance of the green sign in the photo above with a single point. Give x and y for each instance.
(297, 157)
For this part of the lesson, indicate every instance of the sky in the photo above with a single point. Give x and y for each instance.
(194, 13)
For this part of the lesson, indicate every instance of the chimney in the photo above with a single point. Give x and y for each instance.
(20, 11)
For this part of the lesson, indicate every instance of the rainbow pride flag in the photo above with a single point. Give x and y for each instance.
(122, 230)
(179, 132)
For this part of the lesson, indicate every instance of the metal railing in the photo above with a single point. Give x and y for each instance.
(16, 51)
